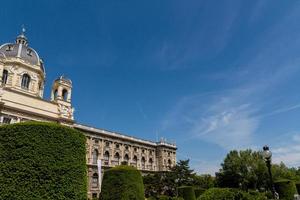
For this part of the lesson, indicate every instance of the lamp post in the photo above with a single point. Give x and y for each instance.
(267, 155)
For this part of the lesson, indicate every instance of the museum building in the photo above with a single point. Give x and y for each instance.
(22, 76)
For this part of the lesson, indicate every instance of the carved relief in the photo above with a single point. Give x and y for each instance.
(65, 111)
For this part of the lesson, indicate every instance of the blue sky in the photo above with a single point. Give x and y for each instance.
(211, 75)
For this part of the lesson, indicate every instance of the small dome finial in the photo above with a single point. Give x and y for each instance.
(23, 29)
(22, 39)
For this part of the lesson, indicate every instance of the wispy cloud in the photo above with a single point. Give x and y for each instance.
(288, 150)
(141, 110)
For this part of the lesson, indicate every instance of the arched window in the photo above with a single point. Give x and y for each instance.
(126, 158)
(4, 76)
(106, 158)
(169, 164)
(117, 158)
(95, 180)
(150, 164)
(55, 94)
(95, 156)
(135, 161)
(25, 81)
(143, 162)
(65, 94)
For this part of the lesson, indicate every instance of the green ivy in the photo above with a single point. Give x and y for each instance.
(41, 160)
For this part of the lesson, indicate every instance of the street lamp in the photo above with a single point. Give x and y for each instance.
(267, 155)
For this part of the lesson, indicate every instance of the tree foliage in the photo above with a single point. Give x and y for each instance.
(42, 161)
(281, 171)
(286, 189)
(167, 182)
(247, 169)
(186, 192)
(243, 169)
(204, 181)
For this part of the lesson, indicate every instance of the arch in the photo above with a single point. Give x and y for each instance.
(169, 163)
(95, 156)
(65, 94)
(25, 81)
(143, 161)
(4, 76)
(117, 157)
(55, 93)
(150, 163)
(126, 158)
(106, 157)
(95, 180)
(134, 160)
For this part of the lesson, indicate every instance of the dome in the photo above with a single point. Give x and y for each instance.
(64, 79)
(20, 49)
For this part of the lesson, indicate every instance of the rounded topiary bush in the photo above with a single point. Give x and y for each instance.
(122, 183)
(186, 192)
(42, 161)
(199, 191)
(217, 194)
(286, 189)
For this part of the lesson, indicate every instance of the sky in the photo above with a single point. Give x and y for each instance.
(211, 75)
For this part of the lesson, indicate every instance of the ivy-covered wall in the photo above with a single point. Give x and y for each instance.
(42, 161)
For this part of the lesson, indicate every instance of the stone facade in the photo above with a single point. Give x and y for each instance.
(22, 77)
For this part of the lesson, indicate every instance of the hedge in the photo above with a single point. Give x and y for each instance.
(199, 191)
(230, 194)
(217, 194)
(41, 160)
(122, 183)
(286, 189)
(186, 192)
(164, 197)
(298, 187)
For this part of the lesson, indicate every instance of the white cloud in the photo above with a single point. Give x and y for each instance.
(289, 150)
(228, 126)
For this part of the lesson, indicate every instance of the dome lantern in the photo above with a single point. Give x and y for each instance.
(22, 39)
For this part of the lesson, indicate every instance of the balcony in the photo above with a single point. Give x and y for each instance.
(115, 162)
(133, 164)
(105, 163)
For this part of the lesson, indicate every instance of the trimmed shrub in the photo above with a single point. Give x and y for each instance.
(217, 194)
(298, 187)
(251, 195)
(286, 189)
(186, 192)
(163, 197)
(230, 194)
(41, 160)
(122, 183)
(199, 191)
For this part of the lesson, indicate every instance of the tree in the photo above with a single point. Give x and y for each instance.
(167, 182)
(204, 181)
(244, 169)
(281, 171)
